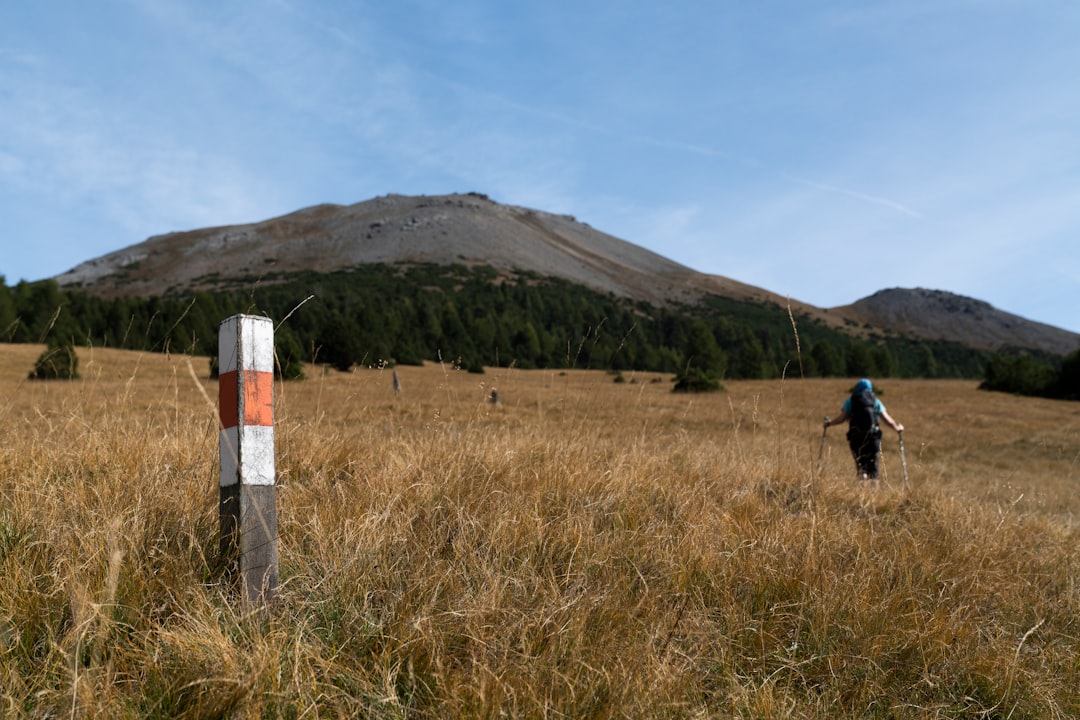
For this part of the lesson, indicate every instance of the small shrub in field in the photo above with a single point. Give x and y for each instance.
(291, 369)
(57, 362)
(693, 382)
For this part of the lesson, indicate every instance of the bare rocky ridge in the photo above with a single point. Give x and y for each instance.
(471, 229)
(467, 229)
(940, 315)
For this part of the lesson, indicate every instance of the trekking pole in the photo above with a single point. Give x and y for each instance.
(821, 450)
(903, 460)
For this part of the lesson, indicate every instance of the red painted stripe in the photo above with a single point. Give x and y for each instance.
(228, 406)
(258, 398)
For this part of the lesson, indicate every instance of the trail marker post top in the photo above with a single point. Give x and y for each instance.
(248, 477)
(246, 400)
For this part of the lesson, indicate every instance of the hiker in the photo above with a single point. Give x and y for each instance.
(863, 410)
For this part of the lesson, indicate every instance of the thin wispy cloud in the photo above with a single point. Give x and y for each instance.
(571, 122)
(884, 202)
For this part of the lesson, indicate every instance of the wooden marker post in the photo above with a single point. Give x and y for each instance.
(247, 482)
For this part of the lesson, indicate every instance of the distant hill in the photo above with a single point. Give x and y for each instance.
(940, 315)
(470, 229)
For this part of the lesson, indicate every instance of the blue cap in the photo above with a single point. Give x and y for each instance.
(864, 384)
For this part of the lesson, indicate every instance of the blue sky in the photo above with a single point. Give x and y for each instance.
(821, 150)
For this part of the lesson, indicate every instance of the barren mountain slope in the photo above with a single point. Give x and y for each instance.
(468, 229)
(935, 314)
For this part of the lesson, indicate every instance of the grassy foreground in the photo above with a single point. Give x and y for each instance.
(583, 549)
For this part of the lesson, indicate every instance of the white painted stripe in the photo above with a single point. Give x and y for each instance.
(257, 455)
(229, 451)
(247, 456)
(227, 344)
(257, 343)
(247, 342)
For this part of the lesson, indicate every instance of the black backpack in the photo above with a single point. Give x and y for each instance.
(863, 418)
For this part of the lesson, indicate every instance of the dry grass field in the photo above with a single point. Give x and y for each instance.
(584, 549)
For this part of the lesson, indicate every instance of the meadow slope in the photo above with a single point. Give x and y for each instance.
(585, 548)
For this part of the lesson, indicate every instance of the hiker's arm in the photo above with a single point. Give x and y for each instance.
(841, 418)
(891, 423)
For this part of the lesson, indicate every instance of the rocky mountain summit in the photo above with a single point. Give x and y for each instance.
(468, 229)
(936, 314)
(471, 229)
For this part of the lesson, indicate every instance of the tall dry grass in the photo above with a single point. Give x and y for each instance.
(583, 549)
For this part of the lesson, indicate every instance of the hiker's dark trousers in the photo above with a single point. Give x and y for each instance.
(865, 448)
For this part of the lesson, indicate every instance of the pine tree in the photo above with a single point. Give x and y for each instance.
(8, 316)
(288, 355)
(704, 361)
(1068, 382)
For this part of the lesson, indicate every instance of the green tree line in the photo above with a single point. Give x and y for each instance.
(1026, 373)
(473, 317)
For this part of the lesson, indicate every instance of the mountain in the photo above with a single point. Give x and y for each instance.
(471, 229)
(468, 229)
(936, 314)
